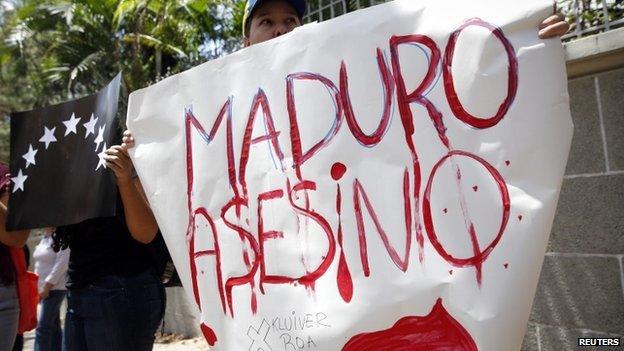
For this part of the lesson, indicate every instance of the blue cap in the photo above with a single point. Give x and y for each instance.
(299, 5)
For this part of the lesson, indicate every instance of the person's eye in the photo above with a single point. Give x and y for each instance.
(265, 22)
(291, 21)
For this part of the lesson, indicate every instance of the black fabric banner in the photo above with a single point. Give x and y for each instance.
(57, 165)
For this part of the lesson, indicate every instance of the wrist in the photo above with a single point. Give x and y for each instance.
(124, 181)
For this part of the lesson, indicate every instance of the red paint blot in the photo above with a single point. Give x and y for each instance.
(506, 265)
(475, 188)
(507, 162)
(209, 334)
(345, 282)
(451, 272)
(343, 279)
(519, 217)
(445, 210)
(338, 170)
(436, 331)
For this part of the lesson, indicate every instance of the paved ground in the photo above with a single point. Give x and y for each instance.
(196, 344)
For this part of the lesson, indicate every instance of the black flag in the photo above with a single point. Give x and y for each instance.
(57, 167)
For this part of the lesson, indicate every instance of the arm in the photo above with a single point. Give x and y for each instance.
(61, 263)
(139, 217)
(15, 238)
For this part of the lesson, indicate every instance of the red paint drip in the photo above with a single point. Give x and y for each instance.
(445, 210)
(506, 265)
(519, 217)
(475, 188)
(344, 280)
(507, 162)
(451, 272)
(338, 170)
(436, 331)
(209, 334)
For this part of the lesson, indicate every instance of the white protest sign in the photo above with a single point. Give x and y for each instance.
(385, 180)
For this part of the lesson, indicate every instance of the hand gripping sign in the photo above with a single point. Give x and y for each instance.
(382, 181)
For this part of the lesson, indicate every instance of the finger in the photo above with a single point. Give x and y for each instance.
(555, 30)
(127, 146)
(118, 151)
(121, 148)
(128, 140)
(113, 160)
(556, 18)
(122, 161)
(113, 166)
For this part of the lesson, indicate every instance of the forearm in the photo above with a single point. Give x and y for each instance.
(139, 217)
(15, 238)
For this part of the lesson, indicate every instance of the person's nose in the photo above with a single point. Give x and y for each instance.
(280, 29)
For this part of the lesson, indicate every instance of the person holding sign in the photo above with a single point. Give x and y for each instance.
(115, 298)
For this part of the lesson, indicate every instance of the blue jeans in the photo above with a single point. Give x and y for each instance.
(49, 335)
(9, 316)
(115, 313)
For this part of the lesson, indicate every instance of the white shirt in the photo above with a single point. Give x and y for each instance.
(50, 266)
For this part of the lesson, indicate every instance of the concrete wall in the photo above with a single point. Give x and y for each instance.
(581, 288)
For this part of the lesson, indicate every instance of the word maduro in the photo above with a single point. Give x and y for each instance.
(393, 82)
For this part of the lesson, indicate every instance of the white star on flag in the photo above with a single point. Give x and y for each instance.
(30, 156)
(90, 126)
(70, 124)
(101, 161)
(19, 181)
(100, 138)
(48, 136)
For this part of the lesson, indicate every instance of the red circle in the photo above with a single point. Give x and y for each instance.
(428, 219)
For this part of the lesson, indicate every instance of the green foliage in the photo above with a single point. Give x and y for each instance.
(591, 13)
(55, 50)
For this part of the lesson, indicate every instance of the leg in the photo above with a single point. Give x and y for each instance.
(74, 338)
(149, 302)
(48, 325)
(107, 312)
(9, 316)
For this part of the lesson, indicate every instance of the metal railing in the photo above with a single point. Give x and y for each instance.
(321, 10)
(586, 17)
